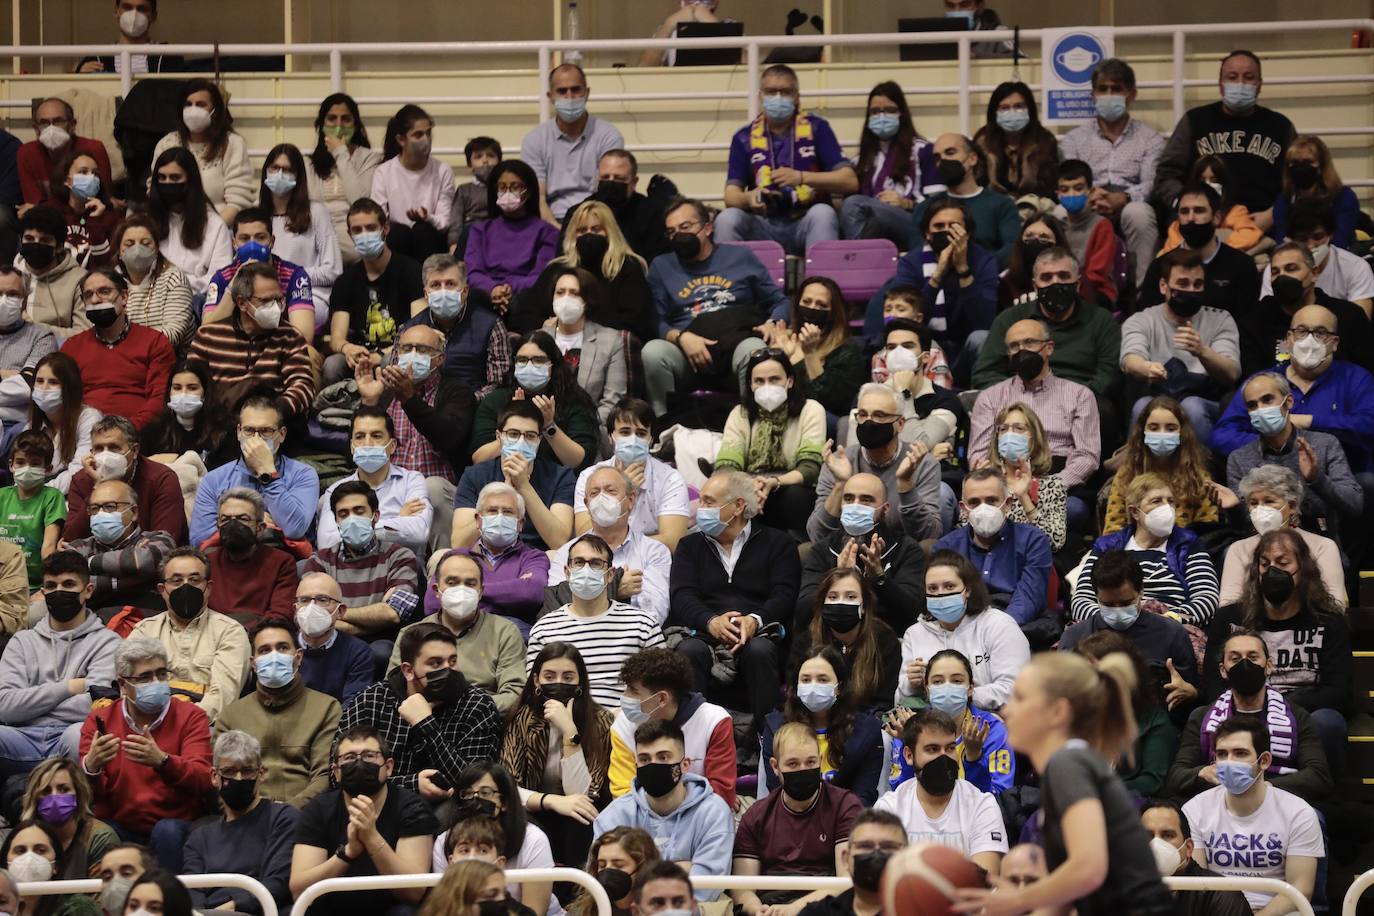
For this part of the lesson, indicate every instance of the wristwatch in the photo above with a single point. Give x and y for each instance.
(550, 431)
(265, 478)
(342, 854)
(575, 738)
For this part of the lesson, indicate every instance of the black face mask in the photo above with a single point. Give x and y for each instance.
(1026, 365)
(1276, 586)
(493, 908)
(172, 193)
(939, 776)
(186, 601)
(1288, 291)
(360, 777)
(237, 537)
(38, 254)
(560, 693)
(951, 172)
(819, 317)
(613, 194)
(1245, 677)
(63, 605)
(439, 685)
(800, 785)
(591, 251)
(102, 317)
(1186, 303)
(1057, 298)
(1304, 175)
(872, 434)
(1197, 235)
(469, 808)
(867, 869)
(939, 241)
(237, 794)
(841, 617)
(616, 882)
(686, 245)
(1030, 250)
(658, 779)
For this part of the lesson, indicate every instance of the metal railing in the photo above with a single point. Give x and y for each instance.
(394, 882)
(94, 886)
(1352, 897)
(1274, 886)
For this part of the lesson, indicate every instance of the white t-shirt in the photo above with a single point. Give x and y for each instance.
(971, 822)
(1346, 276)
(1256, 846)
(535, 852)
(664, 493)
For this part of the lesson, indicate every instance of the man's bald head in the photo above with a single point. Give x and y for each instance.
(954, 141)
(1027, 328)
(867, 489)
(424, 335)
(318, 583)
(114, 491)
(1314, 316)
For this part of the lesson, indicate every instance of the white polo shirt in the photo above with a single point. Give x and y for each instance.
(664, 493)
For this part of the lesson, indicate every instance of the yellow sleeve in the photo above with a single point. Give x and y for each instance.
(622, 772)
(1116, 510)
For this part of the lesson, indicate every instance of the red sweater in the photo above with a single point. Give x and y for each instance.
(1099, 262)
(129, 379)
(137, 796)
(262, 586)
(160, 503)
(35, 166)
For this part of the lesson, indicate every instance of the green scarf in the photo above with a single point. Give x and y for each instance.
(765, 443)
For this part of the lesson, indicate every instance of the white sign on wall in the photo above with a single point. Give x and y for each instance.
(1069, 56)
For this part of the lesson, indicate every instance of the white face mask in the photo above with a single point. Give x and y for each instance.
(195, 118)
(11, 310)
(1308, 352)
(314, 621)
(111, 465)
(604, 509)
(459, 602)
(986, 520)
(54, 137)
(1266, 519)
(770, 397)
(1159, 521)
(1168, 857)
(568, 309)
(268, 316)
(900, 359)
(30, 866)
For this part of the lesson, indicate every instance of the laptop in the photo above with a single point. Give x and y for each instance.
(931, 24)
(709, 57)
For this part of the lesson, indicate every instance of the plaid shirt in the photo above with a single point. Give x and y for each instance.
(459, 733)
(1130, 162)
(414, 452)
(498, 360)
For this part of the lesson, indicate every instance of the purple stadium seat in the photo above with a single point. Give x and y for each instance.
(773, 257)
(860, 267)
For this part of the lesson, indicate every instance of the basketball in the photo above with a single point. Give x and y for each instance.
(920, 880)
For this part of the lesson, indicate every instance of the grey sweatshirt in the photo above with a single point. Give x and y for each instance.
(39, 662)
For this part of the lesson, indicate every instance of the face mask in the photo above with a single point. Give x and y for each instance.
(1119, 618)
(1277, 586)
(152, 699)
(357, 532)
(951, 172)
(900, 359)
(658, 779)
(275, 669)
(237, 537)
(842, 616)
(280, 183)
(1167, 856)
(314, 621)
(1268, 421)
(86, 185)
(709, 521)
(872, 434)
(1186, 303)
(950, 699)
(818, 317)
(884, 126)
(570, 110)
(370, 458)
(816, 697)
(1266, 519)
(111, 465)
(1245, 677)
(510, 203)
(63, 606)
(57, 809)
(631, 449)
(1058, 298)
(1197, 235)
(195, 118)
(114, 895)
(49, 400)
(1159, 521)
(605, 509)
(53, 137)
(1239, 97)
(173, 193)
(1308, 352)
(107, 526)
(444, 303)
(1304, 175)
(238, 794)
(1110, 108)
(440, 685)
(770, 397)
(29, 477)
(499, 531)
(939, 241)
(186, 601)
(369, 244)
(474, 807)
(1288, 291)
(1031, 248)
(11, 311)
(1014, 120)
(686, 245)
(360, 777)
(39, 255)
(560, 693)
(493, 908)
(346, 132)
(946, 608)
(417, 363)
(1162, 444)
(133, 23)
(460, 601)
(1073, 203)
(867, 869)
(616, 882)
(939, 776)
(1026, 365)
(568, 309)
(779, 107)
(532, 377)
(800, 785)
(634, 710)
(587, 583)
(268, 316)
(253, 251)
(1236, 777)
(1013, 446)
(102, 316)
(592, 248)
(1320, 252)
(30, 867)
(858, 520)
(986, 520)
(526, 450)
(420, 148)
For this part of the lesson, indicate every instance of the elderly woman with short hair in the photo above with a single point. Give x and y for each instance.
(1272, 495)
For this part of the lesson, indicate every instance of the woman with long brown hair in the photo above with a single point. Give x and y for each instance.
(58, 409)
(1163, 441)
(302, 229)
(59, 794)
(1310, 174)
(207, 131)
(895, 164)
(845, 617)
(818, 342)
(464, 887)
(159, 293)
(1021, 154)
(615, 857)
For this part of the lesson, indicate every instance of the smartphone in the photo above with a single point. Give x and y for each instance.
(441, 781)
(99, 727)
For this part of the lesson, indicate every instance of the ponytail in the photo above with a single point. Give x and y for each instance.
(1100, 698)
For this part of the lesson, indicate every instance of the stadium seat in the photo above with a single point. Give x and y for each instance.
(860, 267)
(773, 257)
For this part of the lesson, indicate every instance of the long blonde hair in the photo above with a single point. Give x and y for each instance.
(617, 251)
(456, 893)
(1100, 698)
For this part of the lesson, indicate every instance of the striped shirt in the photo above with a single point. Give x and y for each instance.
(605, 641)
(278, 358)
(1067, 410)
(1194, 602)
(364, 579)
(163, 302)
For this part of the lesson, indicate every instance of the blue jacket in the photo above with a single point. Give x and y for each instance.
(863, 757)
(732, 277)
(1341, 403)
(341, 669)
(290, 499)
(994, 771)
(1176, 550)
(964, 308)
(1017, 565)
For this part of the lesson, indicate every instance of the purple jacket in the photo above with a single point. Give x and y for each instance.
(512, 583)
(510, 251)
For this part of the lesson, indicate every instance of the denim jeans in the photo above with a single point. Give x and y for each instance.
(818, 224)
(23, 747)
(869, 218)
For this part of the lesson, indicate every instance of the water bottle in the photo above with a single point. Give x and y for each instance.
(574, 33)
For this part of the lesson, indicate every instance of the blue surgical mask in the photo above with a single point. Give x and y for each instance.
(275, 669)
(946, 608)
(418, 364)
(570, 110)
(280, 183)
(370, 458)
(1162, 444)
(858, 520)
(445, 303)
(1239, 96)
(533, 378)
(369, 244)
(253, 251)
(1235, 776)
(631, 449)
(966, 15)
(816, 697)
(587, 583)
(709, 521)
(1013, 120)
(779, 107)
(357, 532)
(185, 405)
(1110, 108)
(1119, 618)
(86, 185)
(499, 531)
(153, 698)
(1268, 421)
(107, 526)
(1013, 446)
(884, 126)
(634, 710)
(1073, 203)
(950, 699)
(526, 450)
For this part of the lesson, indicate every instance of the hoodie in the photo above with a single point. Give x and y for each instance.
(991, 641)
(701, 830)
(55, 302)
(39, 662)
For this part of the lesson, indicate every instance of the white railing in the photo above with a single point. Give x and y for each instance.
(1274, 886)
(94, 886)
(394, 882)
(1352, 897)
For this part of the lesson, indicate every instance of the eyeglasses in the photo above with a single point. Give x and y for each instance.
(245, 519)
(258, 432)
(422, 349)
(53, 122)
(1021, 428)
(485, 794)
(594, 564)
(1033, 345)
(324, 600)
(101, 295)
(688, 228)
(515, 435)
(876, 416)
(533, 361)
(1321, 334)
(365, 757)
(1019, 880)
(161, 674)
(239, 772)
(195, 579)
(264, 303)
(93, 508)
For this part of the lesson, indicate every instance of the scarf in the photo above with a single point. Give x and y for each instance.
(1278, 718)
(876, 180)
(765, 443)
(803, 155)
